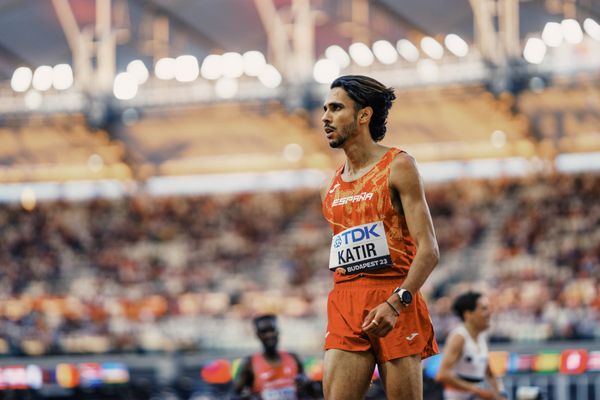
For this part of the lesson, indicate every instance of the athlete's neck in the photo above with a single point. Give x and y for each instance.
(359, 156)
(271, 354)
(473, 331)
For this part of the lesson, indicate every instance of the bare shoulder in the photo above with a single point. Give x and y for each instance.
(246, 364)
(456, 341)
(326, 183)
(298, 359)
(404, 160)
(403, 171)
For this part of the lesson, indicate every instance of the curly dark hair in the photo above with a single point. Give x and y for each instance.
(368, 92)
(465, 302)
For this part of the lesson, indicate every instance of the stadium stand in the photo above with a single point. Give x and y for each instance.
(132, 274)
(148, 213)
(58, 147)
(201, 139)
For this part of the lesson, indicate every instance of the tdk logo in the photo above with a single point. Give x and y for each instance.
(337, 242)
(356, 235)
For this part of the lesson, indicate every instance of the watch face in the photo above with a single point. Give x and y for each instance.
(406, 297)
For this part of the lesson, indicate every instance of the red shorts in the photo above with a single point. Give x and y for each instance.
(349, 303)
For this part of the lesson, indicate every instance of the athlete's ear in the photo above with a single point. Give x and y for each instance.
(364, 115)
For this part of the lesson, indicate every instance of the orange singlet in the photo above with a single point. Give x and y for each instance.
(275, 383)
(372, 244)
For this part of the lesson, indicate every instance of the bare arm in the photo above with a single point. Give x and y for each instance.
(406, 181)
(451, 356)
(493, 382)
(446, 375)
(303, 383)
(299, 364)
(244, 379)
(325, 185)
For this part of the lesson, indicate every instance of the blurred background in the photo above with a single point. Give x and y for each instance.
(160, 163)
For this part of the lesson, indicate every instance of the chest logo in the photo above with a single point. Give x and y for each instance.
(352, 199)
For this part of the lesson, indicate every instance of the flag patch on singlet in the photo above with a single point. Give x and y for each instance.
(360, 248)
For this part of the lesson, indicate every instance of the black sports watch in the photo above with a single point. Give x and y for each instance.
(404, 295)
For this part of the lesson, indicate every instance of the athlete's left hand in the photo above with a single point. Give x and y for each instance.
(379, 321)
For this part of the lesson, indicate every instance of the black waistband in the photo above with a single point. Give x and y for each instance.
(470, 379)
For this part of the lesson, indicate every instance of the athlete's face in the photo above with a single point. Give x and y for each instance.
(482, 314)
(267, 332)
(339, 117)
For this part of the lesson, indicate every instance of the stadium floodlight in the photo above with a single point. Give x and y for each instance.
(432, 48)
(21, 79)
(293, 152)
(233, 65)
(534, 51)
(592, 28)
(571, 31)
(33, 99)
(186, 68)
(325, 70)
(28, 199)
(165, 68)
(138, 69)
(42, 78)
(498, 139)
(456, 45)
(361, 54)
(254, 62)
(428, 70)
(95, 163)
(408, 50)
(270, 77)
(536, 84)
(62, 76)
(552, 34)
(338, 55)
(226, 88)
(385, 52)
(212, 68)
(125, 86)
(130, 116)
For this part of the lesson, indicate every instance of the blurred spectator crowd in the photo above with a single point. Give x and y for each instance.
(145, 274)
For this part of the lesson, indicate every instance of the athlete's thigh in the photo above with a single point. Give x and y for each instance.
(347, 374)
(403, 378)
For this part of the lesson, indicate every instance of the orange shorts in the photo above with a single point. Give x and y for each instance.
(349, 303)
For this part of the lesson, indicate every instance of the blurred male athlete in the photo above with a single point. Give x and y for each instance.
(382, 251)
(272, 374)
(465, 369)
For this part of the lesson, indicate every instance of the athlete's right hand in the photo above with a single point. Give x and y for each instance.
(379, 321)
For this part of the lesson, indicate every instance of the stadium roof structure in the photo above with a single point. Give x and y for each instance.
(100, 38)
(479, 65)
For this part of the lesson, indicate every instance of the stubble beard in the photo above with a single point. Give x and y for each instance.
(345, 133)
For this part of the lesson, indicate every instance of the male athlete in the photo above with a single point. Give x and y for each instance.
(465, 370)
(272, 374)
(382, 251)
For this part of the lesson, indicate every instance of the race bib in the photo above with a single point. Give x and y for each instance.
(288, 393)
(360, 248)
